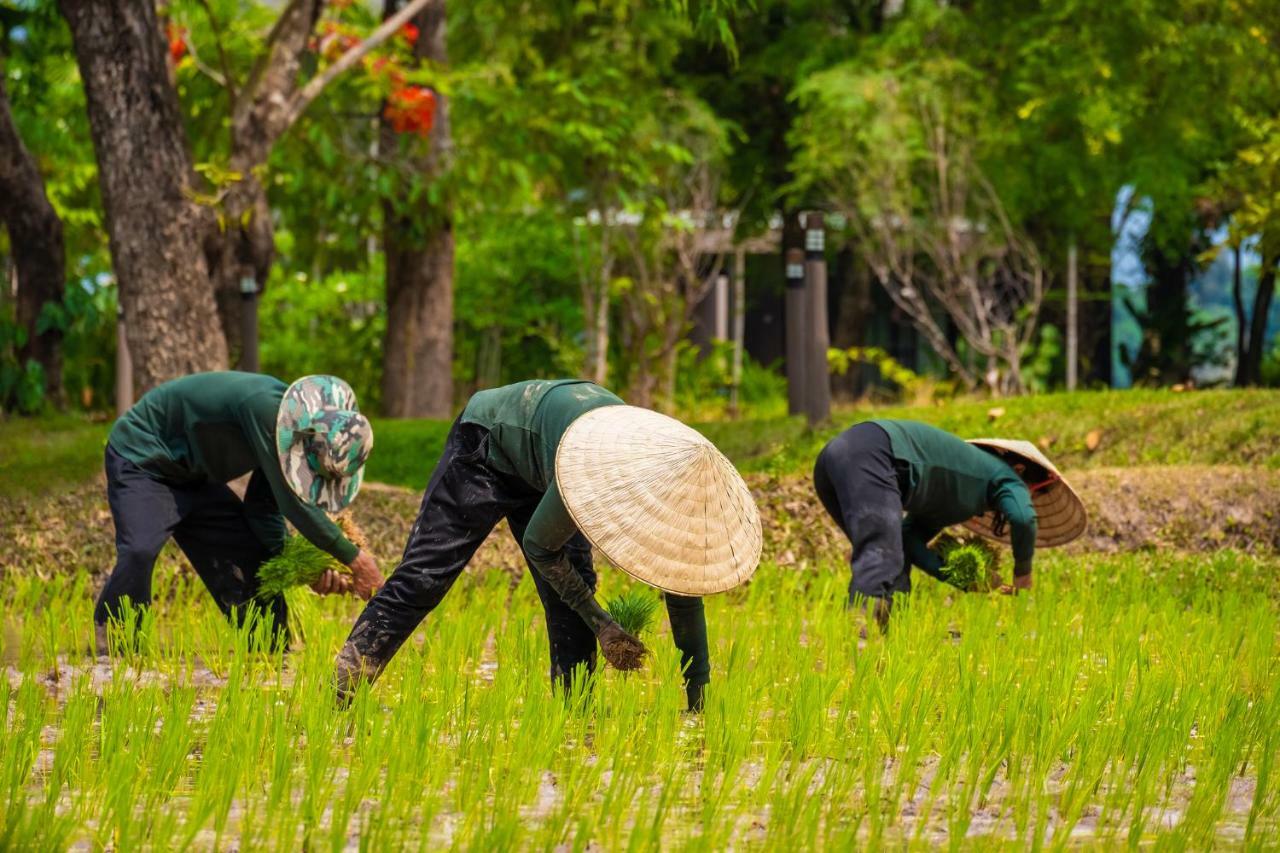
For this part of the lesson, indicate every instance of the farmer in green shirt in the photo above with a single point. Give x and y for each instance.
(873, 472)
(560, 459)
(170, 457)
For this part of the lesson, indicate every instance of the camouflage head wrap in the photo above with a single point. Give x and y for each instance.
(323, 441)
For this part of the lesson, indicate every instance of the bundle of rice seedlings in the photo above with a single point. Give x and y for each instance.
(300, 563)
(633, 610)
(968, 564)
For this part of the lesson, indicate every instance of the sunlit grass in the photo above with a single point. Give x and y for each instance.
(1126, 700)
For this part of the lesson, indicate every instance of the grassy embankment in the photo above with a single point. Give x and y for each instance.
(1135, 428)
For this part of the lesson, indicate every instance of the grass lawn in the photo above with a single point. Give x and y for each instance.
(42, 455)
(1135, 428)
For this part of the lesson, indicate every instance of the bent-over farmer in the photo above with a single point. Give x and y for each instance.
(170, 457)
(568, 464)
(873, 472)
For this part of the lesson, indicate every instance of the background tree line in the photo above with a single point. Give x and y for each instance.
(432, 198)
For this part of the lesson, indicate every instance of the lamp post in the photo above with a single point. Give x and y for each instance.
(796, 312)
(818, 406)
(249, 324)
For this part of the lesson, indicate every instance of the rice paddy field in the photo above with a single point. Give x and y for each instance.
(1129, 700)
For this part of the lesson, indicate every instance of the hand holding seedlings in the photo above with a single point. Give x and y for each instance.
(331, 583)
(620, 649)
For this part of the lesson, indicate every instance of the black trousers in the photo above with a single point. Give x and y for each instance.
(208, 522)
(463, 503)
(857, 480)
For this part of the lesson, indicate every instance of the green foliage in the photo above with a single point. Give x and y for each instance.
(299, 563)
(405, 452)
(704, 379)
(333, 324)
(634, 609)
(1271, 367)
(1042, 362)
(908, 382)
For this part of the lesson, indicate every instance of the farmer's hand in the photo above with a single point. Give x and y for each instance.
(366, 579)
(619, 648)
(331, 583)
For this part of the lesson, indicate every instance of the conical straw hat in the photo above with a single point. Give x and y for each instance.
(659, 500)
(1060, 513)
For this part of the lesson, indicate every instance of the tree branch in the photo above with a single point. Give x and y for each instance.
(299, 103)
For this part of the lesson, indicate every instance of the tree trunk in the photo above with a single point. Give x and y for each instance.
(155, 230)
(598, 366)
(1252, 374)
(417, 377)
(1242, 322)
(245, 248)
(36, 244)
(1096, 340)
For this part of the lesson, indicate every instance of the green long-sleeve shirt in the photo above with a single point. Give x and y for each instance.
(526, 422)
(217, 427)
(950, 481)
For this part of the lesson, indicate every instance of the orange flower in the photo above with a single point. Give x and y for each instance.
(177, 42)
(410, 33)
(411, 109)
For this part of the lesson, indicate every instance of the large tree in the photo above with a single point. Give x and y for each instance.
(155, 226)
(417, 372)
(177, 242)
(36, 246)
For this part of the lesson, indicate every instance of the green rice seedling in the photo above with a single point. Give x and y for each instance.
(634, 610)
(300, 563)
(968, 564)
(1106, 710)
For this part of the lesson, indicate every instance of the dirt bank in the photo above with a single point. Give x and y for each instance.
(1189, 508)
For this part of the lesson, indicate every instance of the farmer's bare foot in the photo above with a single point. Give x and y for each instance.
(620, 649)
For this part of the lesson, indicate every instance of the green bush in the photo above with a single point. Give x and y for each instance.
(703, 383)
(334, 324)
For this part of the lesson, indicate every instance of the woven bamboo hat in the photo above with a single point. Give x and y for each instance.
(1060, 513)
(659, 500)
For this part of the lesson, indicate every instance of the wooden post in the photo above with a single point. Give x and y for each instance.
(249, 324)
(124, 367)
(797, 323)
(1073, 322)
(739, 325)
(815, 273)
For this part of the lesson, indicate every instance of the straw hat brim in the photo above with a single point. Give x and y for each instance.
(659, 500)
(1060, 514)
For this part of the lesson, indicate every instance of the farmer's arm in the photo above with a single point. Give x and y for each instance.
(689, 631)
(549, 530)
(917, 533)
(1015, 503)
(316, 527)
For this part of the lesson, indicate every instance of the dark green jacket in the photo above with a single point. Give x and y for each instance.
(949, 481)
(526, 422)
(217, 427)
